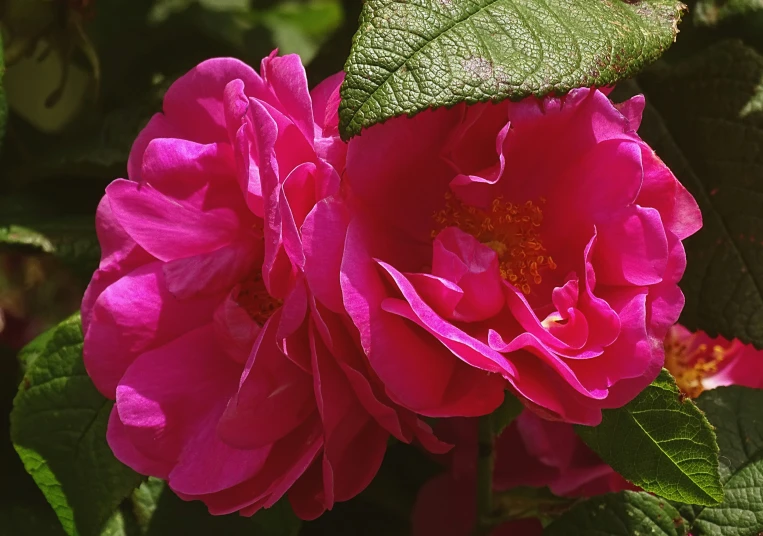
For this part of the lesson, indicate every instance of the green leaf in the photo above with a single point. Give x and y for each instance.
(737, 414)
(160, 512)
(410, 55)
(661, 443)
(711, 12)
(627, 513)
(333, 53)
(523, 502)
(301, 28)
(705, 120)
(509, 410)
(58, 427)
(27, 223)
(23, 520)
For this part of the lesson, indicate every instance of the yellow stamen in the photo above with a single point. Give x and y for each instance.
(256, 300)
(690, 363)
(512, 231)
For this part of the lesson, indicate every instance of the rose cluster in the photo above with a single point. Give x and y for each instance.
(273, 303)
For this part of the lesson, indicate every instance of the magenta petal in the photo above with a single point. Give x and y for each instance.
(286, 76)
(336, 335)
(274, 396)
(212, 273)
(416, 169)
(194, 103)
(440, 294)
(632, 110)
(354, 442)
(745, 368)
(293, 310)
(235, 329)
(460, 258)
(289, 459)
(162, 389)
(184, 170)
(307, 496)
(323, 236)
(168, 228)
(631, 248)
(158, 127)
(126, 452)
(661, 190)
(120, 255)
(207, 465)
(480, 356)
(133, 315)
(325, 98)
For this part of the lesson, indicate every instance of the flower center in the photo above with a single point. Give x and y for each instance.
(690, 363)
(256, 300)
(512, 231)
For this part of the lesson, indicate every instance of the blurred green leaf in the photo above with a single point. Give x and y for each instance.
(58, 427)
(3, 104)
(72, 239)
(661, 443)
(301, 28)
(23, 520)
(705, 120)
(159, 512)
(333, 52)
(524, 502)
(711, 12)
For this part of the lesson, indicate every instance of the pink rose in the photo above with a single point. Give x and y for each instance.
(536, 242)
(699, 362)
(231, 380)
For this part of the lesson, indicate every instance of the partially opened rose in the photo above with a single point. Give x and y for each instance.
(536, 243)
(699, 362)
(231, 381)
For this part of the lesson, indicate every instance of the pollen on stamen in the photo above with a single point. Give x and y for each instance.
(690, 364)
(255, 299)
(511, 230)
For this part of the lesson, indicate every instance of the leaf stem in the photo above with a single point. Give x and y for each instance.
(485, 463)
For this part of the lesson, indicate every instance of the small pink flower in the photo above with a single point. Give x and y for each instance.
(536, 243)
(699, 362)
(232, 379)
